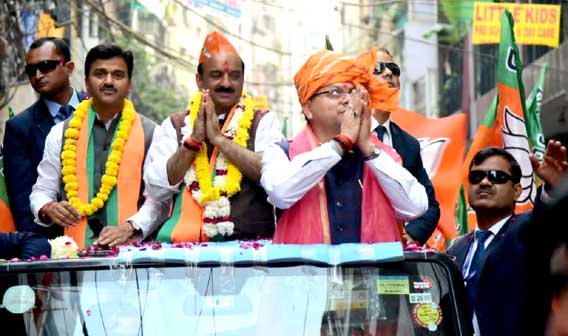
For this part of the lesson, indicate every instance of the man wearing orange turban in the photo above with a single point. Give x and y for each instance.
(338, 183)
(382, 68)
(209, 156)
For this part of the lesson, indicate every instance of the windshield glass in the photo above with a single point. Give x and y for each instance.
(400, 298)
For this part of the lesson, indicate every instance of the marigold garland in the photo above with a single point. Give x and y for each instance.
(210, 192)
(69, 157)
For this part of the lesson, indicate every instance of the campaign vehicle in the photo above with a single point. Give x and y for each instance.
(238, 288)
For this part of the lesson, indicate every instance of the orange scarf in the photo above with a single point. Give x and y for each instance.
(307, 221)
(126, 191)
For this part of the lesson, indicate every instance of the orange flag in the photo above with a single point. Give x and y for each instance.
(442, 143)
(504, 123)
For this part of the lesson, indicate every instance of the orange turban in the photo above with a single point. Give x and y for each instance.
(325, 68)
(381, 96)
(216, 44)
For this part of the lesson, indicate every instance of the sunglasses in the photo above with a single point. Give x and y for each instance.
(43, 67)
(381, 66)
(494, 176)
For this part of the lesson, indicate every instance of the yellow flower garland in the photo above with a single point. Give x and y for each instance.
(202, 168)
(69, 157)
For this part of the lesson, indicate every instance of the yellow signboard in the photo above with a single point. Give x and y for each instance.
(534, 24)
(46, 27)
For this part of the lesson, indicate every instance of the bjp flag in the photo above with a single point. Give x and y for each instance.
(504, 123)
(6, 220)
(442, 144)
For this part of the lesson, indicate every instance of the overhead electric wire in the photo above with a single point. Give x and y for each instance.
(138, 37)
(190, 67)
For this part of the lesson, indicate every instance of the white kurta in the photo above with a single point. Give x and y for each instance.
(48, 186)
(165, 144)
(286, 181)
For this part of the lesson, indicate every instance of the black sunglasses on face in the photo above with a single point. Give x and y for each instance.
(494, 176)
(43, 67)
(381, 66)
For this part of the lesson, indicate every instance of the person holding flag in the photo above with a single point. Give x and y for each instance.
(493, 257)
(505, 124)
(550, 290)
(501, 191)
(90, 179)
(338, 183)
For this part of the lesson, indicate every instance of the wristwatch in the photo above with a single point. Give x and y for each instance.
(135, 229)
(375, 152)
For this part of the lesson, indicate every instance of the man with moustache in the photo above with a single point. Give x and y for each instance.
(209, 156)
(383, 69)
(338, 183)
(90, 179)
(493, 258)
(49, 67)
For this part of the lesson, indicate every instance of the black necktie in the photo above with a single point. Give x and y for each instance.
(380, 131)
(472, 279)
(64, 112)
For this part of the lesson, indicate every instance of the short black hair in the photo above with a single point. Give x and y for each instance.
(107, 51)
(200, 68)
(61, 47)
(385, 50)
(486, 153)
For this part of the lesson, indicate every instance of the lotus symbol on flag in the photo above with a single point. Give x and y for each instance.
(515, 141)
(431, 153)
(511, 61)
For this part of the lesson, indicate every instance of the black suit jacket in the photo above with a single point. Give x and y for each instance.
(548, 229)
(23, 245)
(24, 141)
(409, 149)
(502, 276)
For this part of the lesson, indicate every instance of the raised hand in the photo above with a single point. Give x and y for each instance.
(351, 121)
(553, 166)
(199, 131)
(214, 134)
(364, 139)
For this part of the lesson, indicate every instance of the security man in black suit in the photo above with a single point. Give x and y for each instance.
(419, 230)
(49, 67)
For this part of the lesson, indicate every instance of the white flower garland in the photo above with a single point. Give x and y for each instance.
(217, 212)
(63, 247)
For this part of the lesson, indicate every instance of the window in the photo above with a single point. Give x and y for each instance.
(410, 297)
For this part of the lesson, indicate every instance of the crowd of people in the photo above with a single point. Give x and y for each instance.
(100, 172)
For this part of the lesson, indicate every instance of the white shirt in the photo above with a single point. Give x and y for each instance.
(494, 231)
(288, 181)
(165, 144)
(48, 186)
(387, 137)
(467, 263)
(54, 107)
